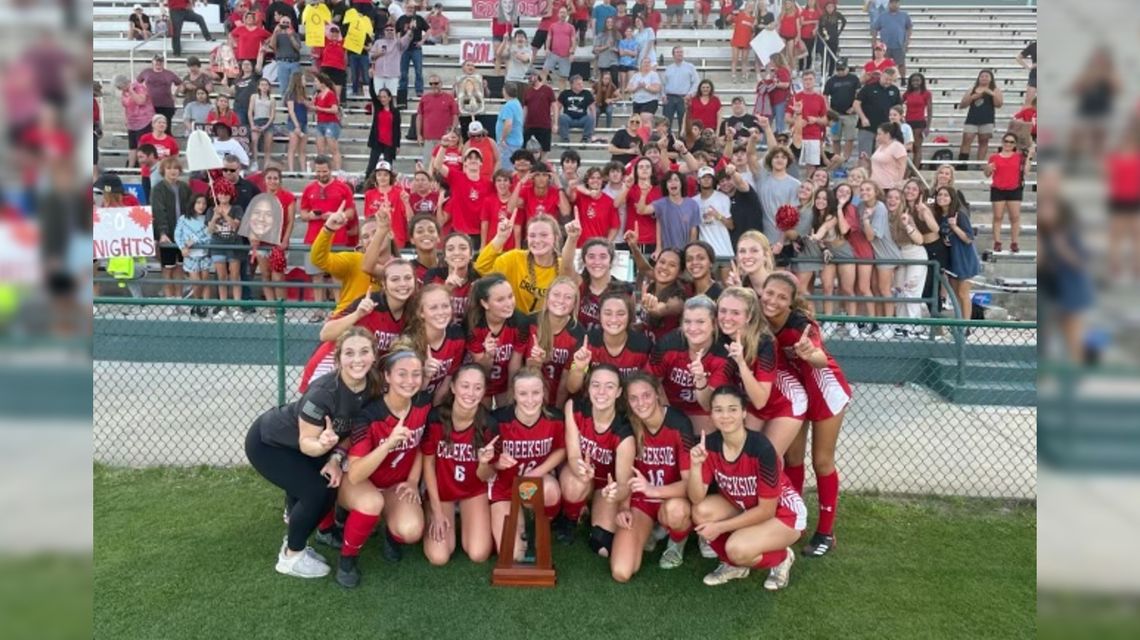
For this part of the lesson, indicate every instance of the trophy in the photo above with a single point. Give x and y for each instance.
(539, 572)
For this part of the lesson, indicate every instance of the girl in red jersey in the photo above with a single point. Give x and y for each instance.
(595, 280)
(756, 514)
(457, 451)
(641, 192)
(689, 360)
(425, 240)
(456, 273)
(494, 332)
(384, 466)
(532, 443)
(613, 343)
(550, 338)
(699, 260)
(662, 437)
(798, 336)
(1008, 170)
(663, 297)
(776, 399)
(440, 342)
(599, 460)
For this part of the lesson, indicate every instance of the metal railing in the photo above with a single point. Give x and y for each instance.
(136, 47)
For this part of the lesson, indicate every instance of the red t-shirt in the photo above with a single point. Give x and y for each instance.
(706, 113)
(466, 202)
(493, 210)
(537, 104)
(437, 112)
(1123, 169)
(327, 100)
(599, 449)
(544, 24)
(372, 200)
(882, 65)
(452, 156)
(165, 148)
(333, 55)
(860, 246)
(646, 225)
(230, 118)
(397, 466)
(535, 205)
(814, 105)
(500, 29)
(581, 10)
(916, 103)
(787, 28)
(456, 458)
(486, 146)
(423, 204)
(327, 199)
(598, 216)
(809, 15)
(783, 75)
(247, 41)
(1028, 114)
(1007, 171)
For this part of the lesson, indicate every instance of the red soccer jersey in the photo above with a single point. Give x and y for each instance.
(493, 209)
(812, 105)
(456, 458)
(756, 474)
(599, 448)
(633, 357)
(665, 454)
(529, 445)
(658, 328)
(787, 397)
(598, 216)
(450, 355)
(397, 466)
(510, 338)
(372, 200)
(589, 302)
(439, 275)
(327, 198)
(670, 362)
(645, 225)
(533, 204)
(381, 322)
(565, 343)
(827, 388)
(466, 200)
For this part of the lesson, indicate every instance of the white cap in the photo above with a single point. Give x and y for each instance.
(475, 128)
(384, 166)
(705, 171)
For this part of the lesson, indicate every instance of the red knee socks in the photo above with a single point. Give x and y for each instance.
(771, 559)
(328, 522)
(795, 475)
(357, 529)
(572, 510)
(679, 536)
(828, 487)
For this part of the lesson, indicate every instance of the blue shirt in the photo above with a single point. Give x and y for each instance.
(681, 79)
(601, 12)
(892, 28)
(512, 111)
(629, 45)
(677, 221)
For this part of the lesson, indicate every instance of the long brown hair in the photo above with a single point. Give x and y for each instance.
(415, 328)
(635, 422)
(480, 292)
(374, 381)
(752, 336)
(798, 302)
(447, 406)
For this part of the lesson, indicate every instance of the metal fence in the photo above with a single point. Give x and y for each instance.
(948, 409)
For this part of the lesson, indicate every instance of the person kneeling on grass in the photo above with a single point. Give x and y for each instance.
(300, 446)
(756, 514)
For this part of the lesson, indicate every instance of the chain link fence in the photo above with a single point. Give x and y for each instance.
(950, 408)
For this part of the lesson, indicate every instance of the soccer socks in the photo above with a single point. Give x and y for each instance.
(572, 510)
(357, 529)
(552, 511)
(770, 559)
(795, 475)
(327, 522)
(828, 488)
(679, 536)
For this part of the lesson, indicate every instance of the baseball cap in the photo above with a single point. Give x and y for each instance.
(137, 7)
(841, 63)
(384, 166)
(473, 151)
(705, 171)
(221, 123)
(475, 128)
(109, 182)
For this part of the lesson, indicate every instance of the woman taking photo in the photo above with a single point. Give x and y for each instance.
(495, 330)
(384, 467)
(550, 338)
(1008, 170)
(457, 452)
(876, 226)
(440, 342)
(298, 446)
(982, 102)
(797, 335)
(690, 361)
(531, 444)
(599, 461)
(384, 133)
(662, 437)
(756, 515)
(957, 233)
(612, 343)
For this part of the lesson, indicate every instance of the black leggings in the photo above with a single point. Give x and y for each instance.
(941, 253)
(378, 152)
(300, 476)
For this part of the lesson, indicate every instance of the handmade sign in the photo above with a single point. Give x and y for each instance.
(507, 10)
(200, 154)
(767, 43)
(477, 51)
(123, 232)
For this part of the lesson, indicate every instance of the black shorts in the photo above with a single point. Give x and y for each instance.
(542, 135)
(539, 40)
(133, 137)
(1122, 207)
(917, 125)
(1006, 195)
(338, 76)
(645, 107)
(169, 256)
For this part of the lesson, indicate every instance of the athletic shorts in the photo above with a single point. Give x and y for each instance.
(810, 153)
(917, 125)
(558, 64)
(169, 256)
(539, 40)
(848, 126)
(1006, 195)
(979, 129)
(674, 11)
(1123, 207)
(645, 107)
(649, 507)
(133, 137)
(791, 514)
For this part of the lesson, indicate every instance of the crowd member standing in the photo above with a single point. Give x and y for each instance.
(437, 114)
(161, 83)
(286, 47)
(981, 103)
(893, 28)
(680, 86)
(358, 29)
(334, 60)
(248, 37)
(873, 105)
(180, 12)
(385, 54)
(468, 192)
(509, 125)
(165, 145)
(322, 198)
(645, 89)
(414, 24)
(538, 110)
(327, 106)
(678, 217)
(384, 133)
(811, 106)
(561, 49)
(919, 111)
(716, 213)
(832, 23)
(841, 90)
(169, 199)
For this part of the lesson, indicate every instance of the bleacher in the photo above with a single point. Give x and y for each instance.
(950, 44)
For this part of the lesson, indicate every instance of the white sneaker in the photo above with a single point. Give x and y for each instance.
(884, 333)
(235, 314)
(779, 574)
(725, 572)
(220, 314)
(674, 555)
(706, 549)
(650, 543)
(853, 331)
(301, 565)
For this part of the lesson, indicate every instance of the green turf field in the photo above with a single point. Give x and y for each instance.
(189, 553)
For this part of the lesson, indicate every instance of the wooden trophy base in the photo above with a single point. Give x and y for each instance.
(508, 572)
(516, 576)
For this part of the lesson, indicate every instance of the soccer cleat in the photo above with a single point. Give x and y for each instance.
(706, 549)
(778, 576)
(564, 529)
(347, 575)
(333, 538)
(819, 545)
(725, 572)
(674, 555)
(301, 565)
(392, 550)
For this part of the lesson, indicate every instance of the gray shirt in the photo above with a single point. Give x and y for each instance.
(775, 192)
(892, 28)
(284, 47)
(516, 69)
(883, 244)
(676, 220)
(681, 79)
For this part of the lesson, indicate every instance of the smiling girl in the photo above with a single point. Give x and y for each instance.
(495, 329)
(550, 338)
(456, 273)
(440, 342)
(613, 343)
(689, 360)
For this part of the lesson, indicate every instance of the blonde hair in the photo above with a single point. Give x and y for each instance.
(762, 240)
(754, 331)
(545, 338)
(531, 273)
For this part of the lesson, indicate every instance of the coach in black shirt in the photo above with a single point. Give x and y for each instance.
(840, 90)
(873, 105)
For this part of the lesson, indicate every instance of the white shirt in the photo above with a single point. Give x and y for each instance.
(233, 147)
(714, 232)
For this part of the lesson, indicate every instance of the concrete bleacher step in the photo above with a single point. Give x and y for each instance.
(1016, 394)
(1009, 372)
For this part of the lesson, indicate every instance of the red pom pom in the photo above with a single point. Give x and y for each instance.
(787, 217)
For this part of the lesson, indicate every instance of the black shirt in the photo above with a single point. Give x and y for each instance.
(981, 111)
(326, 396)
(744, 206)
(842, 90)
(246, 190)
(877, 101)
(418, 26)
(575, 105)
(1030, 52)
(742, 124)
(624, 140)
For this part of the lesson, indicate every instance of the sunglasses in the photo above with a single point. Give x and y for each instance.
(433, 84)
(229, 170)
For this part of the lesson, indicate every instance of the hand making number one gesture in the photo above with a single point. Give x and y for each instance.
(698, 454)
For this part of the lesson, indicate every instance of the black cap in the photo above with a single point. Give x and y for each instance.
(221, 123)
(841, 63)
(109, 182)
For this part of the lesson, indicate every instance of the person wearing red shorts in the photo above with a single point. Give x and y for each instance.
(458, 450)
(798, 336)
(689, 361)
(384, 467)
(756, 515)
(531, 443)
(663, 437)
(599, 461)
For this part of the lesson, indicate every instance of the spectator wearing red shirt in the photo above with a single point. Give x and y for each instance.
(551, 16)
(594, 210)
(165, 145)
(878, 62)
(537, 194)
(387, 191)
(809, 23)
(1007, 170)
(384, 137)
(779, 79)
(437, 113)
(477, 138)
(561, 49)
(334, 59)
(810, 105)
(1029, 114)
(788, 27)
(248, 37)
(438, 26)
(468, 191)
(327, 105)
(497, 206)
(180, 12)
(538, 105)
(919, 110)
(319, 201)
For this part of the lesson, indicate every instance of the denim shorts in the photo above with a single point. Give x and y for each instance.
(328, 130)
(196, 264)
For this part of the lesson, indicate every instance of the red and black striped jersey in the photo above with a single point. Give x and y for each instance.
(456, 457)
(563, 346)
(510, 338)
(670, 362)
(439, 275)
(381, 322)
(529, 445)
(634, 356)
(665, 454)
(658, 328)
(787, 397)
(756, 474)
(589, 303)
(599, 448)
(397, 466)
(827, 389)
(450, 355)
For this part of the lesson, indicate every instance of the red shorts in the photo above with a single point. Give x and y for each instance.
(785, 514)
(646, 506)
(828, 393)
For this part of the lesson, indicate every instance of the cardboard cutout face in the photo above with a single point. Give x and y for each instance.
(262, 221)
